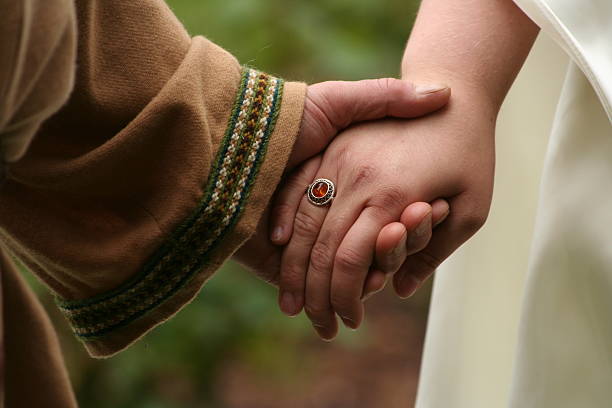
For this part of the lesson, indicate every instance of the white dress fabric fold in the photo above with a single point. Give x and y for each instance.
(521, 316)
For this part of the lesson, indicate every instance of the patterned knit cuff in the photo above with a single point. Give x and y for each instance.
(193, 245)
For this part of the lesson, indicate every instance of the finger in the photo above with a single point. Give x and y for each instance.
(390, 246)
(351, 266)
(343, 213)
(375, 282)
(390, 252)
(388, 243)
(459, 226)
(396, 241)
(344, 102)
(439, 211)
(295, 258)
(413, 219)
(334, 105)
(418, 223)
(288, 198)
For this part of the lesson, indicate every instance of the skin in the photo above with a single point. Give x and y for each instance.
(394, 243)
(475, 46)
(329, 108)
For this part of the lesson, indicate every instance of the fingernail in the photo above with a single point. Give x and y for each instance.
(369, 295)
(401, 245)
(322, 332)
(288, 303)
(277, 234)
(410, 284)
(423, 227)
(420, 231)
(372, 293)
(429, 89)
(441, 220)
(349, 323)
(395, 255)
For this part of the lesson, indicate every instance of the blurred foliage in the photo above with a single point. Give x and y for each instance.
(234, 325)
(310, 40)
(176, 365)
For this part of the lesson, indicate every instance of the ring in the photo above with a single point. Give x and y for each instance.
(321, 191)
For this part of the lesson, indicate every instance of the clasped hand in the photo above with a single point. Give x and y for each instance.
(397, 180)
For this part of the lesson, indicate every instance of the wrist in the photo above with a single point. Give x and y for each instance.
(467, 94)
(470, 110)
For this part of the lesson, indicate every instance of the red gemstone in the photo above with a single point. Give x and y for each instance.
(320, 189)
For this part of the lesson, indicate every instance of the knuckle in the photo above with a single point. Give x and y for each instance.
(317, 312)
(384, 84)
(320, 104)
(348, 259)
(305, 224)
(292, 278)
(390, 198)
(321, 257)
(342, 301)
(363, 174)
(319, 116)
(342, 152)
(393, 87)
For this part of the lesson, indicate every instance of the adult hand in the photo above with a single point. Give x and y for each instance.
(329, 108)
(335, 105)
(379, 168)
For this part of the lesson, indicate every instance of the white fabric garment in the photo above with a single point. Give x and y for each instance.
(522, 322)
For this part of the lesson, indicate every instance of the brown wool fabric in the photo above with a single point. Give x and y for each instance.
(37, 54)
(110, 177)
(35, 373)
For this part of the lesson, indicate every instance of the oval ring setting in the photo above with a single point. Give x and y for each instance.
(321, 191)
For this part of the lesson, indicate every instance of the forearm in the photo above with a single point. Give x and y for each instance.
(476, 47)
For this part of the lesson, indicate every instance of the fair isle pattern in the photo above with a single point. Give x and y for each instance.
(188, 249)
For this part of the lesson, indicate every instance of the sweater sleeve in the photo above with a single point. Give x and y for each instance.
(37, 58)
(154, 173)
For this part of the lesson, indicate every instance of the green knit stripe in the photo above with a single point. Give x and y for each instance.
(188, 249)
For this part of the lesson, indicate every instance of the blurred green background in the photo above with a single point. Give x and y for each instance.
(232, 348)
(307, 40)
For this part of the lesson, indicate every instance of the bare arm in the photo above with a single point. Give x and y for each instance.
(477, 47)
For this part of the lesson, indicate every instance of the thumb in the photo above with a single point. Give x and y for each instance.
(334, 105)
(343, 103)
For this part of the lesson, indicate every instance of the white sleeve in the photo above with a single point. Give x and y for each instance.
(584, 30)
